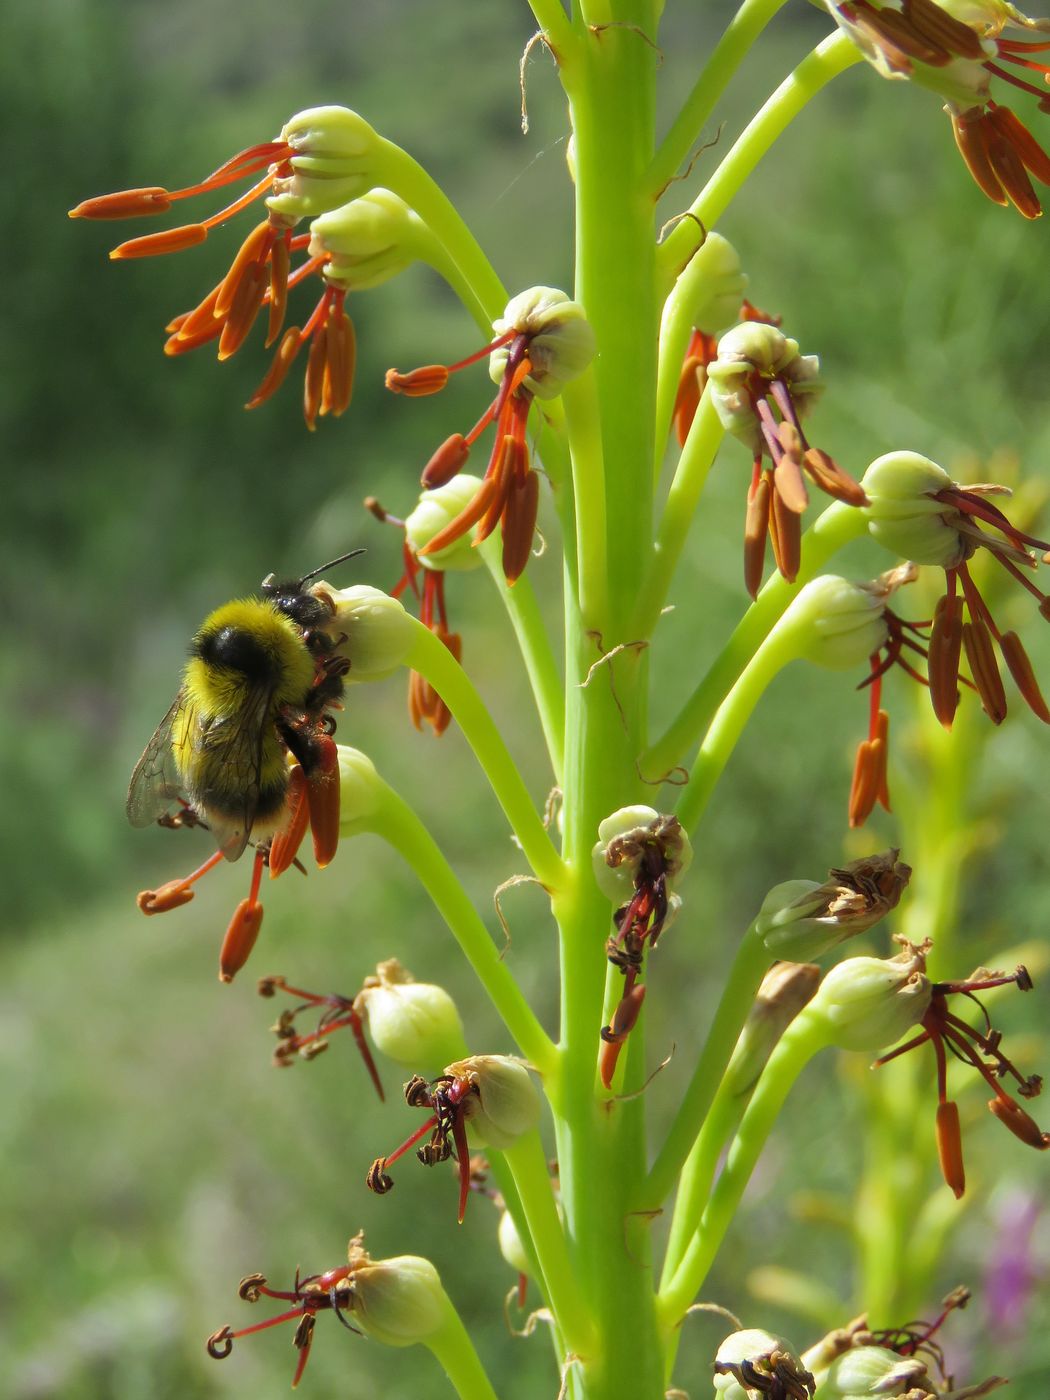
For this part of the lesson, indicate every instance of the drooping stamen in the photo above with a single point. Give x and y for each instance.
(243, 929)
(175, 892)
(285, 845)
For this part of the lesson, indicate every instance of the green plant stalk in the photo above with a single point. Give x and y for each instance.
(832, 56)
(831, 531)
(697, 458)
(779, 647)
(433, 660)
(748, 968)
(528, 1165)
(601, 1151)
(397, 823)
(453, 1349)
(802, 1039)
(733, 47)
(408, 179)
(698, 1174)
(534, 644)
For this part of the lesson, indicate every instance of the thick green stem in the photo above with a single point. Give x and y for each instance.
(397, 823)
(433, 660)
(601, 1150)
(751, 961)
(455, 1351)
(830, 532)
(831, 57)
(800, 1042)
(744, 28)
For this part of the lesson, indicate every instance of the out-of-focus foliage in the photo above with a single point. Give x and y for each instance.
(149, 1154)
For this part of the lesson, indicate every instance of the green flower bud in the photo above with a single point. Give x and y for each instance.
(625, 837)
(412, 1023)
(435, 510)
(786, 988)
(716, 284)
(767, 1359)
(870, 1003)
(379, 633)
(904, 516)
(754, 347)
(506, 1104)
(510, 1245)
(399, 1301)
(872, 1371)
(561, 341)
(367, 241)
(801, 920)
(841, 624)
(335, 159)
(360, 786)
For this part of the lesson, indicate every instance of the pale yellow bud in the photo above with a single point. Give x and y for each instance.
(507, 1102)
(415, 1024)
(435, 510)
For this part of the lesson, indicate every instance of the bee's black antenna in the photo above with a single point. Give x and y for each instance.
(330, 565)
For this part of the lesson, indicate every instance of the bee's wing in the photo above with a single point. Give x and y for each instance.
(231, 750)
(155, 784)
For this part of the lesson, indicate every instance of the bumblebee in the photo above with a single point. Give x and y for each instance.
(260, 682)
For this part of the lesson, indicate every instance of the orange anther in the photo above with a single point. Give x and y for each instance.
(168, 896)
(949, 1147)
(171, 240)
(323, 800)
(450, 458)
(289, 347)
(240, 938)
(416, 383)
(124, 204)
(519, 525)
(285, 845)
(1020, 1123)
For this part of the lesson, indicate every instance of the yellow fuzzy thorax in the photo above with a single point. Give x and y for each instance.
(221, 691)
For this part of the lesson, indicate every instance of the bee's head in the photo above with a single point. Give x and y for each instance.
(291, 597)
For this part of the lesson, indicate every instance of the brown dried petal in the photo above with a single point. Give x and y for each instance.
(969, 137)
(945, 648)
(832, 479)
(935, 24)
(984, 669)
(786, 535)
(1016, 658)
(519, 525)
(1020, 1123)
(756, 528)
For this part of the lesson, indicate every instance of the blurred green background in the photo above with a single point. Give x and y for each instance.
(150, 1156)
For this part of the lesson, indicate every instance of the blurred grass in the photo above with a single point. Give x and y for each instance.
(150, 1155)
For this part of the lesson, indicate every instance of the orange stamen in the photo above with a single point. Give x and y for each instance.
(323, 796)
(175, 892)
(470, 515)
(291, 343)
(238, 204)
(949, 1147)
(124, 204)
(285, 845)
(171, 240)
(417, 383)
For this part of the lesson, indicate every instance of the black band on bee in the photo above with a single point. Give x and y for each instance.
(236, 649)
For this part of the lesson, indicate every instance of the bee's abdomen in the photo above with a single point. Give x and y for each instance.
(235, 649)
